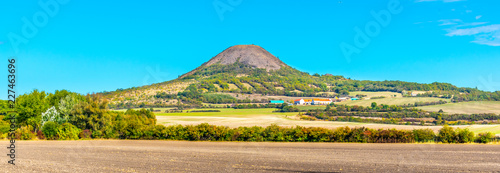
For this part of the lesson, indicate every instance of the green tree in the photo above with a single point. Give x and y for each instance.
(465, 135)
(52, 115)
(447, 135)
(67, 103)
(30, 107)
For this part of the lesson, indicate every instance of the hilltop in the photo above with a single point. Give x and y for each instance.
(250, 74)
(250, 55)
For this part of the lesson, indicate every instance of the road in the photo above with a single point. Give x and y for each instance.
(181, 156)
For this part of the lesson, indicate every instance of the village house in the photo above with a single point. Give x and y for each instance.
(298, 102)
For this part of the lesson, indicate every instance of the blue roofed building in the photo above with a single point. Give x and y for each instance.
(276, 101)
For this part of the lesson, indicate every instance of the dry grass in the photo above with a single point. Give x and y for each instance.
(392, 101)
(467, 107)
(232, 86)
(217, 86)
(376, 94)
(248, 86)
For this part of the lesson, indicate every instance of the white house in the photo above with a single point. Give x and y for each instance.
(298, 102)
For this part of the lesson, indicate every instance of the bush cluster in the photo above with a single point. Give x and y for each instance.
(206, 132)
(448, 135)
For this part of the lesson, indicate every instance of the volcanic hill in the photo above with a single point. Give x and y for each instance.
(251, 55)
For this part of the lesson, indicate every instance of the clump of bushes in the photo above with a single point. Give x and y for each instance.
(67, 131)
(485, 137)
(424, 135)
(448, 135)
(24, 133)
(205, 111)
(50, 130)
(85, 134)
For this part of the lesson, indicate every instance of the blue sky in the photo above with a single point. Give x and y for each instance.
(91, 46)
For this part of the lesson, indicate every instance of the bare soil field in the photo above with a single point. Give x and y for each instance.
(181, 156)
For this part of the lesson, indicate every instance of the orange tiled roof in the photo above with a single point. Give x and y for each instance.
(307, 100)
(297, 100)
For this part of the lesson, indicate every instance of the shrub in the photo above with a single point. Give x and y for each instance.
(358, 135)
(85, 134)
(160, 132)
(4, 126)
(24, 133)
(389, 136)
(68, 131)
(274, 133)
(205, 111)
(317, 134)
(423, 135)
(464, 135)
(485, 137)
(50, 130)
(3, 135)
(40, 135)
(341, 134)
(447, 135)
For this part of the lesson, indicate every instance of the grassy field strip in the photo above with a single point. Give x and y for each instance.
(485, 128)
(467, 107)
(375, 94)
(392, 101)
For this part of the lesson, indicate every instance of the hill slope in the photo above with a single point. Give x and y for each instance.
(250, 70)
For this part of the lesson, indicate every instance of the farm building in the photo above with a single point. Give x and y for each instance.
(354, 98)
(276, 101)
(321, 101)
(302, 101)
(298, 102)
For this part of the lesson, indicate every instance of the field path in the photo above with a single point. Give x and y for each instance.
(179, 156)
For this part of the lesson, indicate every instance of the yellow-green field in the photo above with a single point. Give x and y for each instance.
(310, 107)
(266, 117)
(467, 107)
